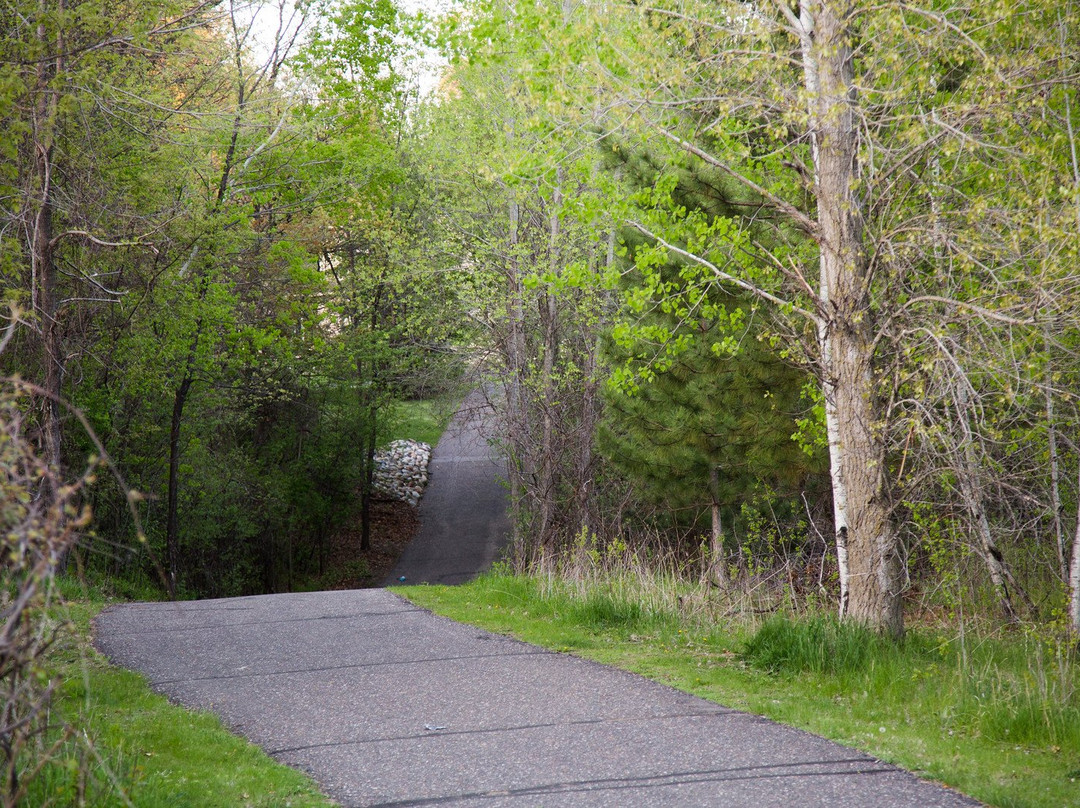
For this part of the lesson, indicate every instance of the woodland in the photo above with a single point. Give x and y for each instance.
(781, 294)
(784, 291)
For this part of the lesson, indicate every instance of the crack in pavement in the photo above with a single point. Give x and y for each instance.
(448, 733)
(350, 666)
(673, 779)
(205, 626)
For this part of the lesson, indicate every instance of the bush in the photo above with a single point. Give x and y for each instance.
(40, 520)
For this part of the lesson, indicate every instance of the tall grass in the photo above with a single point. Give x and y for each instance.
(817, 644)
(601, 581)
(1025, 690)
(1020, 689)
(1016, 687)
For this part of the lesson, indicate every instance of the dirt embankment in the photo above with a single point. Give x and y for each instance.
(393, 526)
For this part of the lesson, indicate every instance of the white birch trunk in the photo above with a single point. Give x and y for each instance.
(836, 464)
(832, 433)
(1074, 575)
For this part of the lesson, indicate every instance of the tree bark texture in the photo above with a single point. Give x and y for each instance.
(549, 322)
(172, 519)
(718, 572)
(1055, 477)
(43, 270)
(971, 491)
(856, 447)
(517, 425)
(1074, 575)
(41, 211)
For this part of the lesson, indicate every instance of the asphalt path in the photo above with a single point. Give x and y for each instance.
(385, 704)
(463, 519)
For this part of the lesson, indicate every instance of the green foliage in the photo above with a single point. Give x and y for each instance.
(698, 385)
(820, 645)
(353, 51)
(239, 270)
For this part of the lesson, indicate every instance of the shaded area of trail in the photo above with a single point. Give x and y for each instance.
(386, 704)
(463, 516)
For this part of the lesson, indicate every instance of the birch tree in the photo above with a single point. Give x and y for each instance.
(873, 140)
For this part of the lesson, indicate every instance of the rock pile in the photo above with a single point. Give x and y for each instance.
(401, 470)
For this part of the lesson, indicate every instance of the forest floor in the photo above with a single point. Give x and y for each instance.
(393, 525)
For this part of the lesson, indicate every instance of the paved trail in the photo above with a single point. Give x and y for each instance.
(386, 704)
(463, 522)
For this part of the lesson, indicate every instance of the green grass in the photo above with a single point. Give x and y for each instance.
(422, 420)
(996, 718)
(132, 747)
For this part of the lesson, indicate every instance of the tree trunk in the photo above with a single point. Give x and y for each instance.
(718, 573)
(368, 481)
(589, 417)
(1074, 574)
(43, 273)
(874, 591)
(517, 426)
(549, 323)
(172, 520)
(865, 536)
(1055, 473)
(971, 491)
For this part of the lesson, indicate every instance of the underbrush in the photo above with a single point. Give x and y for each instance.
(995, 714)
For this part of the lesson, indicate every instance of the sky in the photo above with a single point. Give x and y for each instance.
(267, 14)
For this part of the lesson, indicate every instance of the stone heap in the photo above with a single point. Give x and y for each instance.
(401, 470)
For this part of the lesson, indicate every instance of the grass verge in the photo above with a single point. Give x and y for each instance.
(130, 746)
(422, 420)
(998, 719)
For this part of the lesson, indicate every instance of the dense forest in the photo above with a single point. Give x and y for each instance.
(785, 291)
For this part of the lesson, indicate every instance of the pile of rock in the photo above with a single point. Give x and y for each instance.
(401, 470)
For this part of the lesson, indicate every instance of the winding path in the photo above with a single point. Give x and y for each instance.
(385, 704)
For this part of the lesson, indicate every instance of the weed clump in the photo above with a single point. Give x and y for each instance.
(815, 644)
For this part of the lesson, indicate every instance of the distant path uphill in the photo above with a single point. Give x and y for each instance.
(463, 516)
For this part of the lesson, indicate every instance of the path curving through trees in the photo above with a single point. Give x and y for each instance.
(384, 703)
